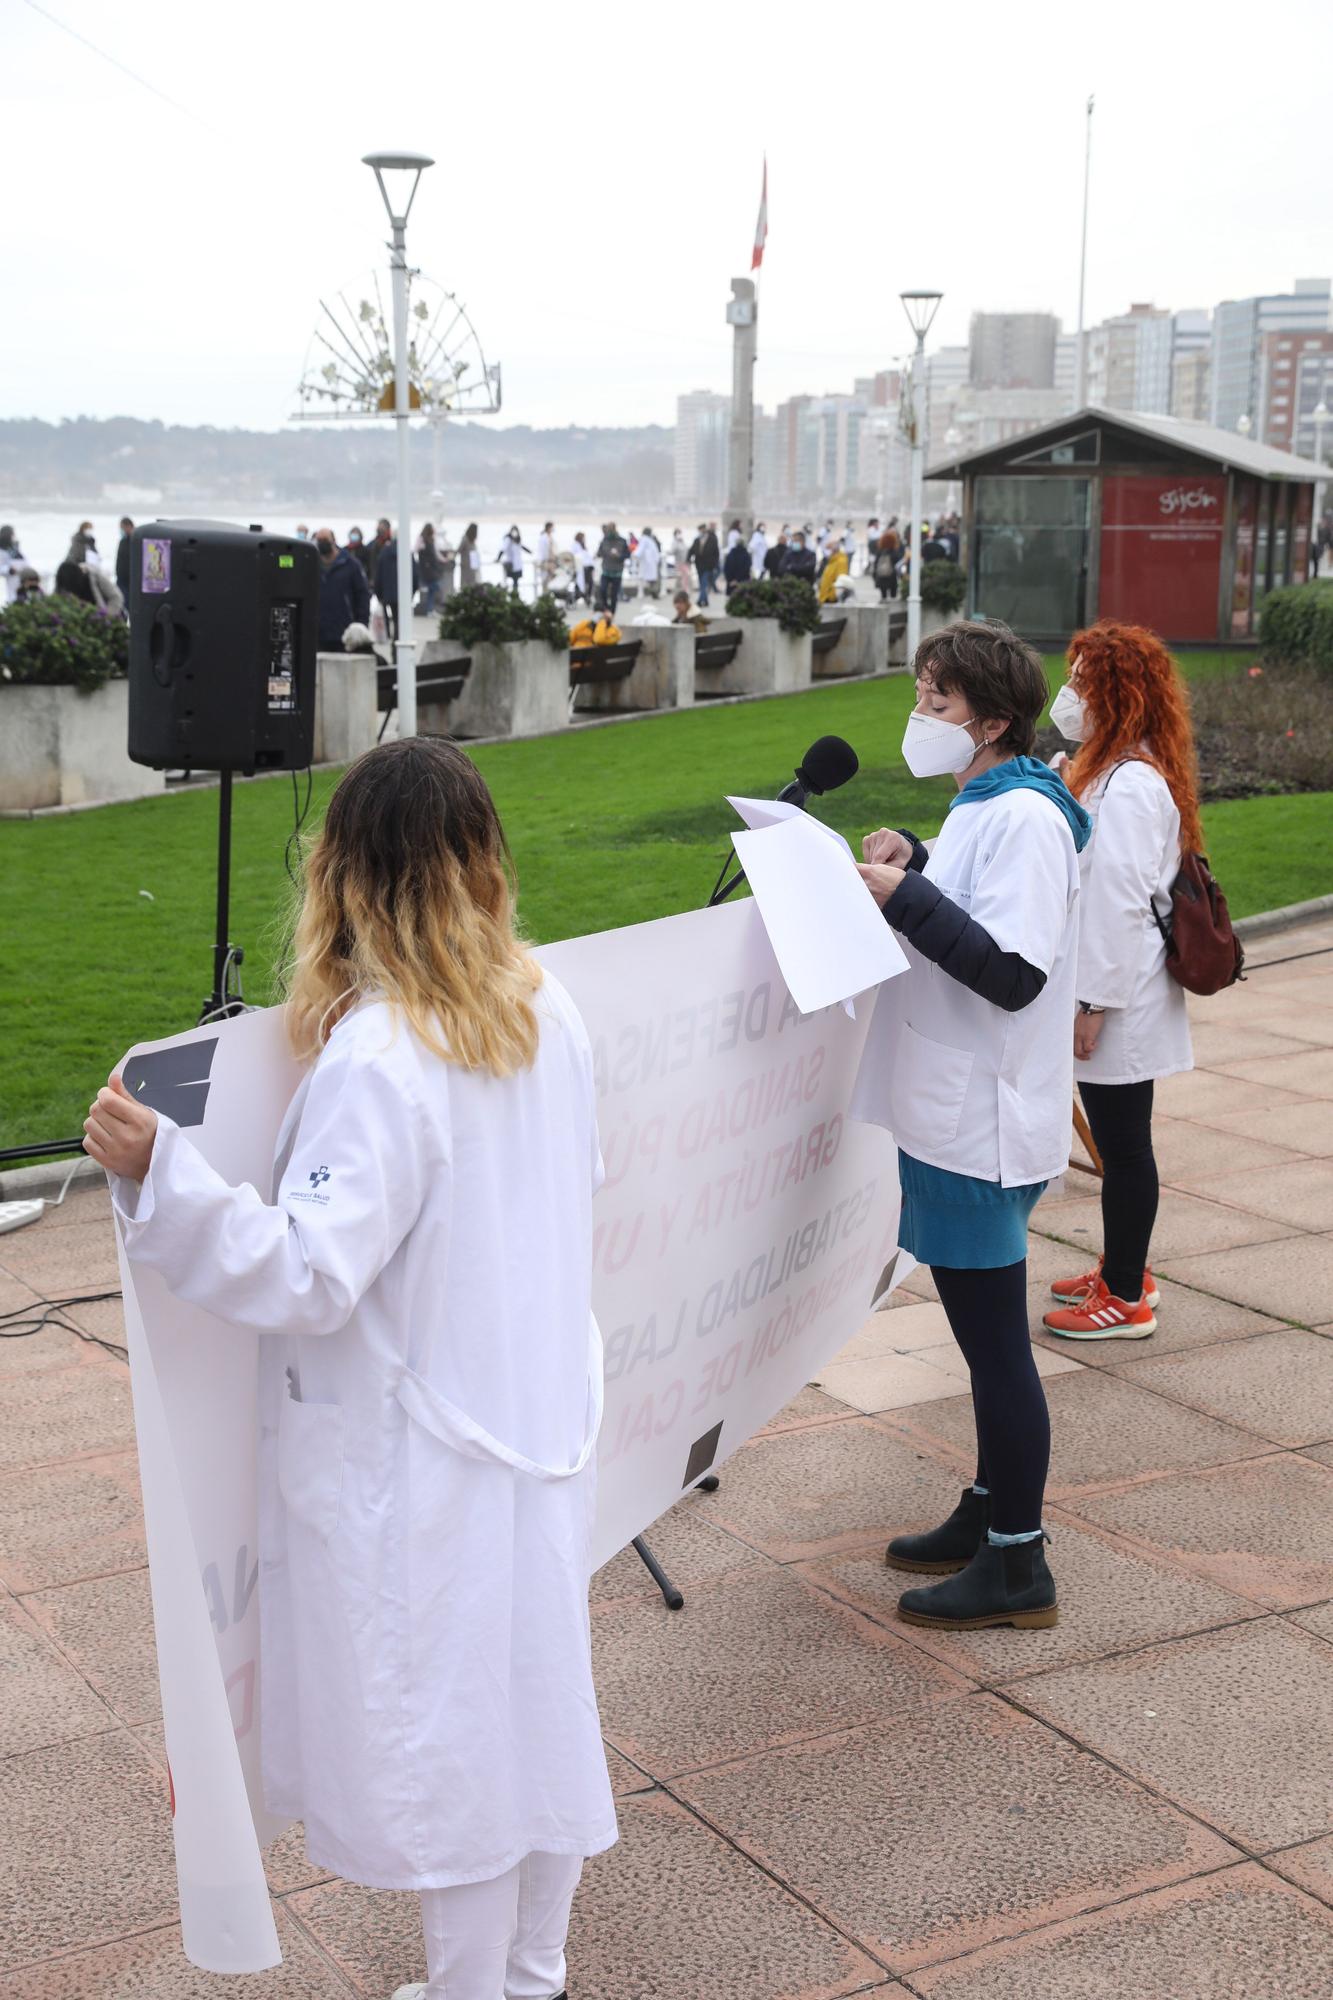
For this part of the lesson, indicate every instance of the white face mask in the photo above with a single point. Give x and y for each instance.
(933, 748)
(1070, 716)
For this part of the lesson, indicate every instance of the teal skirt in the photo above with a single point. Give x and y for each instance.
(962, 1223)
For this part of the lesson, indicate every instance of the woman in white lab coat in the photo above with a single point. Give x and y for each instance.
(430, 1388)
(1126, 706)
(968, 1064)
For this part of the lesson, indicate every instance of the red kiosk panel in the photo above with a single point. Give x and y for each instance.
(1161, 552)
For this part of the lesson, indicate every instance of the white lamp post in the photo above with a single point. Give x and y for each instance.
(953, 437)
(398, 203)
(1320, 419)
(921, 308)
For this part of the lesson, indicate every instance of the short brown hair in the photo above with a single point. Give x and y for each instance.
(998, 674)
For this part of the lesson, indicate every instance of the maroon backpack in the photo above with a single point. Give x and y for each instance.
(1203, 953)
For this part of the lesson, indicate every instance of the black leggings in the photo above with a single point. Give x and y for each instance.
(988, 1311)
(1120, 1115)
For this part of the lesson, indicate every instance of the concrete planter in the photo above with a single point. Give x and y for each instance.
(864, 645)
(517, 689)
(770, 661)
(346, 718)
(59, 747)
(662, 676)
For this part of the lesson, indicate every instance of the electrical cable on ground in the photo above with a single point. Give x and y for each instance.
(21, 1322)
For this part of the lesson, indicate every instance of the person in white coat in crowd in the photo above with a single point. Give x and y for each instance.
(1126, 706)
(649, 557)
(512, 551)
(968, 1064)
(430, 1380)
(758, 549)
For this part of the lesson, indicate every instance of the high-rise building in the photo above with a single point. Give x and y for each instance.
(1239, 326)
(1295, 376)
(1012, 350)
(1191, 364)
(703, 421)
(1128, 364)
(1066, 367)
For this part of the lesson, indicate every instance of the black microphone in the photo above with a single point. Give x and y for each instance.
(827, 764)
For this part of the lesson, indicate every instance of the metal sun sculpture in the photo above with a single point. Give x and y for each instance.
(349, 368)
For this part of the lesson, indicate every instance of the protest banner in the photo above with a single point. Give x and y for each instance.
(738, 1243)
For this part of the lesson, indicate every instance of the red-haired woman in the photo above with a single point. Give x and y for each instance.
(1126, 707)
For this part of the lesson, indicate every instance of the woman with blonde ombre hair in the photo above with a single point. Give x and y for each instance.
(430, 1387)
(1126, 707)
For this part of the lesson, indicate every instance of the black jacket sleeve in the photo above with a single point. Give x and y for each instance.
(960, 946)
(920, 854)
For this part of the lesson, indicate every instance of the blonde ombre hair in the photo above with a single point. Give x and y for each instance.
(408, 898)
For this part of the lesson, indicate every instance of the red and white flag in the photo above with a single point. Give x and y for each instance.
(761, 227)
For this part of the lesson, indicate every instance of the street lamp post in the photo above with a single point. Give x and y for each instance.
(921, 308)
(412, 166)
(953, 438)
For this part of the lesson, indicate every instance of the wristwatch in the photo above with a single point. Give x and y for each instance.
(1086, 1007)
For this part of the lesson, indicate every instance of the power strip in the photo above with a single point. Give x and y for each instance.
(14, 1214)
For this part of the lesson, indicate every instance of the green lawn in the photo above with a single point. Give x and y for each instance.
(609, 826)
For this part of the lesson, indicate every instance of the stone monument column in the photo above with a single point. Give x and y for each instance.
(743, 318)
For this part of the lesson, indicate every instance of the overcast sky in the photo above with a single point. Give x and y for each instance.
(597, 182)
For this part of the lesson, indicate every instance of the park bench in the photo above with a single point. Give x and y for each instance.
(438, 683)
(712, 652)
(827, 637)
(596, 666)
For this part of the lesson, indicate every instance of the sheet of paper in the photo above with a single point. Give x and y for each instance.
(828, 937)
(759, 813)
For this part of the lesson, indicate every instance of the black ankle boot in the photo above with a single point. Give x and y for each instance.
(951, 1546)
(1000, 1586)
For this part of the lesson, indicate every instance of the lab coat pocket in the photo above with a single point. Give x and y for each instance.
(310, 1462)
(930, 1086)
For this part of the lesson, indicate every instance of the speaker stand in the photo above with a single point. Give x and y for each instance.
(224, 1001)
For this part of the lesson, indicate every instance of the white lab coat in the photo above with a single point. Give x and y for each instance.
(650, 560)
(1132, 858)
(429, 1400)
(758, 550)
(958, 1082)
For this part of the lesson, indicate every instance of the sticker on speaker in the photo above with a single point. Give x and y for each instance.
(155, 576)
(173, 1081)
(702, 1453)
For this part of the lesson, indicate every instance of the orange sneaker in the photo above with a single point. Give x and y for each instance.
(1068, 1290)
(1099, 1316)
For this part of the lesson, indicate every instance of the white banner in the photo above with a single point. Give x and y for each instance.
(738, 1242)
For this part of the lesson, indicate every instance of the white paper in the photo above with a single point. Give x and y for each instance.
(828, 936)
(759, 813)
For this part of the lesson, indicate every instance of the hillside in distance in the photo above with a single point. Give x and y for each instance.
(480, 465)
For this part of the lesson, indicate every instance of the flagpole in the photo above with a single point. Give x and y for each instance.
(1080, 369)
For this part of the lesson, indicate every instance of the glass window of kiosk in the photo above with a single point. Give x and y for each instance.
(1030, 566)
(1263, 542)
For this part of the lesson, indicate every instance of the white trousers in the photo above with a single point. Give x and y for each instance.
(503, 1939)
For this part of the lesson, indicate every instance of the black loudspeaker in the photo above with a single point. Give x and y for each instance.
(223, 627)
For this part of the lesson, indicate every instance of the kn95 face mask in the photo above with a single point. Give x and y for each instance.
(933, 748)
(1070, 716)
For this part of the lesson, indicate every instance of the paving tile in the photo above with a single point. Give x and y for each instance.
(1236, 1725)
(832, 1487)
(1297, 1190)
(1192, 1156)
(1292, 1280)
(154, 1967)
(1317, 1618)
(1185, 1319)
(1238, 1935)
(1308, 1073)
(66, 1412)
(1103, 1430)
(85, 1202)
(672, 1913)
(1206, 1094)
(1111, 1598)
(690, 1549)
(45, 1700)
(105, 1627)
(372, 1936)
(757, 1658)
(811, 1406)
(1322, 1452)
(105, 1318)
(1186, 1224)
(923, 1323)
(626, 1778)
(24, 1353)
(941, 1830)
(287, 1866)
(62, 1522)
(1263, 1529)
(887, 1381)
(1309, 1866)
(81, 1257)
(1231, 1041)
(85, 1847)
(1305, 1128)
(1278, 1385)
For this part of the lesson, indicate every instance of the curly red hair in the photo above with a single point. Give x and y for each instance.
(1138, 706)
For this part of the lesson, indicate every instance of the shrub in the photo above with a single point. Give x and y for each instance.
(943, 586)
(487, 614)
(1296, 624)
(789, 599)
(63, 642)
